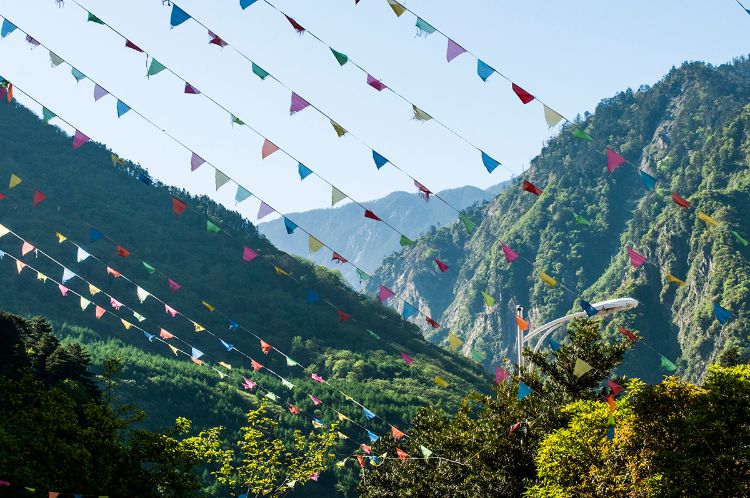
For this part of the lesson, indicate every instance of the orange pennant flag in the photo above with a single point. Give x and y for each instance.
(522, 324)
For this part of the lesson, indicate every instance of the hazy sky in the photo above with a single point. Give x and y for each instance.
(570, 54)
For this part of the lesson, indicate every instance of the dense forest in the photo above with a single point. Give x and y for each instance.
(691, 131)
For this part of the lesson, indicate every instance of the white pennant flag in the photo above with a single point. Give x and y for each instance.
(67, 275)
(551, 116)
(142, 294)
(221, 179)
(84, 303)
(82, 255)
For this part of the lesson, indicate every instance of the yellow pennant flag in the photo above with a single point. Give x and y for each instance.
(340, 131)
(93, 290)
(208, 306)
(441, 381)
(198, 327)
(225, 365)
(547, 279)
(14, 181)
(419, 114)
(398, 9)
(60, 237)
(138, 316)
(117, 160)
(342, 417)
(709, 221)
(280, 271)
(126, 324)
(342, 462)
(551, 116)
(581, 367)
(174, 349)
(317, 424)
(41, 276)
(671, 278)
(4, 230)
(314, 244)
(342, 435)
(454, 341)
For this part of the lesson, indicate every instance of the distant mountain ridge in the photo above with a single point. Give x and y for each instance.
(691, 130)
(366, 243)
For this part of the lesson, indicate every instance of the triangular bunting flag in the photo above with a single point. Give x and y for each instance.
(297, 26)
(190, 89)
(212, 227)
(380, 161)
(547, 279)
(336, 196)
(304, 171)
(523, 390)
(613, 160)
(142, 294)
(630, 335)
(488, 300)
(178, 16)
(405, 241)
(590, 310)
(530, 187)
(67, 275)
(38, 197)
(636, 259)
(375, 83)
(259, 71)
(453, 51)
(501, 374)
(553, 344)
(454, 341)
(298, 103)
(649, 182)
(581, 367)
(289, 225)
(79, 139)
(26, 248)
(680, 201)
(220, 179)
(441, 266)
(371, 215)
(424, 28)
(522, 94)
(408, 311)
(666, 364)
(313, 244)
(155, 68)
(722, 314)
(419, 114)
(340, 131)
(99, 92)
(484, 70)
(196, 161)
(582, 135)
(384, 293)
(398, 9)
(468, 224)
(521, 323)
(489, 163)
(551, 116)
(340, 57)
(672, 279)
(343, 316)
(407, 359)
(264, 210)
(14, 181)
(510, 254)
(706, 218)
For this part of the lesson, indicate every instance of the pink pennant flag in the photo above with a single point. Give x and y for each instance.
(20, 265)
(384, 293)
(264, 210)
(636, 259)
(614, 387)
(315, 400)
(265, 347)
(248, 384)
(613, 160)
(99, 312)
(248, 254)
(191, 89)
(196, 161)
(79, 139)
(298, 103)
(510, 254)
(443, 267)
(63, 289)
(268, 149)
(165, 335)
(407, 359)
(454, 50)
(170, 310)
(113, 272)
(174, 286)
(26, 248)
(317, 378)
(501, 374)
(115, 303)
(375, 83)
(214, 38)
(99, 92)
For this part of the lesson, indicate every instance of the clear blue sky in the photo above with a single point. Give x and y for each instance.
(571, 54)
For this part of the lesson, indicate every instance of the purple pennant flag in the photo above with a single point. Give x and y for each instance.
(191, 89)
(99, 92)
(196, 162)
(454, 50)
(375, 83)
(298, 103)
(264, 210)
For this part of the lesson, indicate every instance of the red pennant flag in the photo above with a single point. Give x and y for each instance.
(510, 254)
(613, 160)
(513, 428)
(401, 454)
(38, 197)
(371, 215)
(522, 324)
(214, 38)
(130, 44)
(178, 206)
(343, 316)
(530, 187)
(614, 387)
(636, 259)
(121, 251)
(113, 272)
(361, 461)
(611, 403)
(630, 335)
(443, 267)
(525, 96)
(397, 434)
(338, 258)
(294, 410)
(264, 346)
(297, 26)
(433, 323)
(255, 365)
(423, 191)
(680, 201)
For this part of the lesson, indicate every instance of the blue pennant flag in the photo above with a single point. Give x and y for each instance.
(590, 310)
(489, 163)
(150, 337)
(226, 345)
(95, 234)
(245, 4)
(553, 344)
(523, 390)
(379, 160)
(372, 436)
(408, 311)
(290, 225)
(312, 297)
(122, 108)
(8, 28)
(368, 413)
(484, 70)
(722, 314)
(611, 432)
(304, 171)
(178, 16)
(233, 325)
(318, 421)
(648, 181)
(196, 353)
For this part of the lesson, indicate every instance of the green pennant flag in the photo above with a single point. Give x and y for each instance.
(148, 267)
(340, 58)
(93, 18)
(578, 133)
(47, 115)
(668, 365)
(740, 239)
(405, 241)
(212, 227)
(488, 300)
(477, 356)
(155, 67)
(468, 224)
(236, 120)
(581, 220)
(362, 276)
(376, 336)
(259, 71)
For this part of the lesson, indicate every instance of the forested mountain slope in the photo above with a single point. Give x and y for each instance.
(691, 131)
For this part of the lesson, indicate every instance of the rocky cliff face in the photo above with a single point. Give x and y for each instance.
(692, 132)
